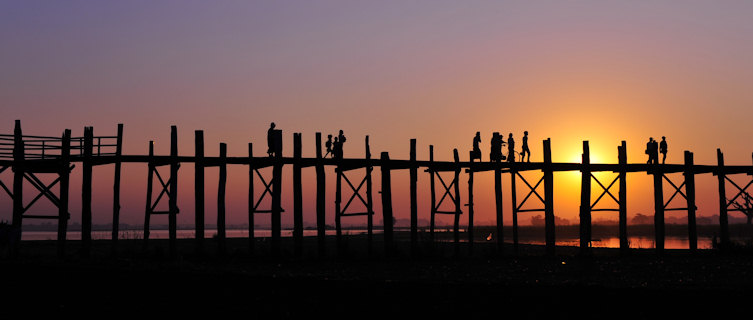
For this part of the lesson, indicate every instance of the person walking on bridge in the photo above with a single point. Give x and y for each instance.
(476, 153)
(510, 149)
(524, 148)
(663, 149)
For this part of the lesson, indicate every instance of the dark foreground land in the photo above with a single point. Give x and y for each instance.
(438, 283)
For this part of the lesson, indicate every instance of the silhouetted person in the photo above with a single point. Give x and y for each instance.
(496, 147)
(270, 140)
(663, 148)
(476, 154)
(337, 149)
(341, 139)
(328, 144)
(648, 149)
(510, 149)
(655, 151)
(524, 148)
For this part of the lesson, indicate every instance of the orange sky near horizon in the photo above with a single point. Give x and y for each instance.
(437, 71)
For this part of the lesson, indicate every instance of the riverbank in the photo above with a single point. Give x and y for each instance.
(436, 283)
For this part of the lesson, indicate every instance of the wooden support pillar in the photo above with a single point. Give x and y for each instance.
(321, 226)
(199, 190)
(297, 195)
(498, 202)
(723, 218)
(470, 209)
(173, 204)
(18, 176)
(338, 200)
(622, 160)
(433, 197)
(514, 199)
(387, 204)
(369, 200)
(116, 190)
(658, 208)
(251, 229)
(149, 187)
(221, 234)
(65, 173)
(585, 200)
(690, 197)
(277, 202)
(86, 193)
(456, 231)
(413, 198)
(549, 197)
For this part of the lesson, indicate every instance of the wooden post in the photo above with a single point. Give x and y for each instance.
(277, 202)
(251, 212)
(498, 202)
(514, 199)
(456, 232)
(173, 205)
(433, 197)
(549, 197)
(149, 186)
(321, 226)
(199, 190)
(387, 204)
(369, 200)
(723, 219)
(658, 208)
(413, 198)
(65, 173)
(116, 190)
(86, 193)
(585, 200)
(18, 176)
(221, 234)
(690, 197)
(297, 195)
(338, 199)
(622, 159)
(470, 208)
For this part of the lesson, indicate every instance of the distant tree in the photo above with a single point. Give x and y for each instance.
(640, 218)
(746, 207)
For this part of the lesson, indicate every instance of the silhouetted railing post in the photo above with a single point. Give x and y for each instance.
(369, 200)
(470, 206)
(433, 197)
(514, 201)
(251, 204)
(199, 190)
(622, 160)
(65, 173)
(585, 200)
(387, 204)
(18, 176)
(338, 212)
(221, 234)
(690, 197)
(658, 208)
(173, 203)
(456, 231)
(86, 193)
(149, 186)
(297, 196)
(277, 202)
(723, 219)
(116, 190)
(321, 226)
(499, 209)
(413, 198)
(549, 197)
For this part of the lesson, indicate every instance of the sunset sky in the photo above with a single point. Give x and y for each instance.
(437, 71)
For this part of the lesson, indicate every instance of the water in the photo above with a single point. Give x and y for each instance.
(611, 242)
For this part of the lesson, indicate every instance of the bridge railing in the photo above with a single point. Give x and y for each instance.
(43, 148)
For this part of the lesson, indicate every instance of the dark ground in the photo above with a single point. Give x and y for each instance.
(437, 284)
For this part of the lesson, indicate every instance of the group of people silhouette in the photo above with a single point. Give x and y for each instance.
(496, 148)
(335, 149)
(653, 149)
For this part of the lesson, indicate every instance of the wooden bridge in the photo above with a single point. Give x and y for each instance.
(30, 156)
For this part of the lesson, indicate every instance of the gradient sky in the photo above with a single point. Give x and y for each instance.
(438, 71)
